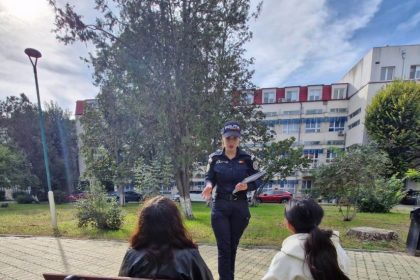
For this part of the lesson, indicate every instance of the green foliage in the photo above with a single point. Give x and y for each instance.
(2, 195)
(413, 175)
(99, 211)
(351, 173)
(150, 178)
(281, 158)
(59, 196)
(15, 170)
(393, 121)
(24, 199)
(19, 118)
(385, 195)
(138, 63)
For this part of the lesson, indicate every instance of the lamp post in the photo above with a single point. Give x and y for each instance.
(35, 54)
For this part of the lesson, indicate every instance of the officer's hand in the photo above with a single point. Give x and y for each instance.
(241, 187)
(206, 194)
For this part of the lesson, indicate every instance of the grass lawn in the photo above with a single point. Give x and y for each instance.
(265, 229)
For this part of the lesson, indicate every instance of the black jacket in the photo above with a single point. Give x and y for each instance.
(186, 264)
(225, 173)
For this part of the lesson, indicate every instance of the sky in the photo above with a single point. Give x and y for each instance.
(295, 42)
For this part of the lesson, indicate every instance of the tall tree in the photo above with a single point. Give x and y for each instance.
(173, 66)
(393, 121)
(15, 170)
(19, 118)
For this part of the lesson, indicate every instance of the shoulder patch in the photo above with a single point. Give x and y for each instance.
(216, 153)
(255, 165)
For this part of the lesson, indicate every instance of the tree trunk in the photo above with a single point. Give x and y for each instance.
(182, 183)
(121, 193)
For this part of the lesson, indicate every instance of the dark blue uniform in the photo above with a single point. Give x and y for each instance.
(230, 214)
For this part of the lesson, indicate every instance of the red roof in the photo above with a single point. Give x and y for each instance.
(80, 107)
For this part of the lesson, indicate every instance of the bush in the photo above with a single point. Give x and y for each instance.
(99, 211)
(2, 195)
(24, 199)
(385, 195)
(59, 196)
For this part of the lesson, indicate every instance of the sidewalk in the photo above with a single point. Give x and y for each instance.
(27, 258)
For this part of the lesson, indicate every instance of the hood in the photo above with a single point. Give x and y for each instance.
(294, 245)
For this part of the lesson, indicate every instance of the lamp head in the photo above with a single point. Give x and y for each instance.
(33, 53)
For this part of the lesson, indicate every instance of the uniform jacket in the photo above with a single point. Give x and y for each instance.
(225, 173)
(289, 264)
(187, 264)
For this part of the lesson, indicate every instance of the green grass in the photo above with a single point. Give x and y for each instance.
(265, 229)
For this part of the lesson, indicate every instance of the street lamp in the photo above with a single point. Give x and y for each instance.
(33, 53)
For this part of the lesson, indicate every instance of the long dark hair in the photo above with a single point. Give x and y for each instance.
(160, 230)
(320, 253)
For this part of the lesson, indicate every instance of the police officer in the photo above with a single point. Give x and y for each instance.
(230, 214)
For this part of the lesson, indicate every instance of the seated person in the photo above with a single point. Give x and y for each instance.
(310, 253)
(161, 246)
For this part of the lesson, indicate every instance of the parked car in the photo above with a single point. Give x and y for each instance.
(129, 196)
(276, 196)
(75, 196)
(411, 197)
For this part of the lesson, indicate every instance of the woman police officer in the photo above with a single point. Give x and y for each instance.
(230, 214)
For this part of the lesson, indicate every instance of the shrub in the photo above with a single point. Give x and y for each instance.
(99, 211)
(2, 195)
(380, 199)
(59, 196)
(24, 199)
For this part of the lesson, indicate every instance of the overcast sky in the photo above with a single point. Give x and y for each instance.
(296, 42)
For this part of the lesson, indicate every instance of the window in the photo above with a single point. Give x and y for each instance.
(331, 154)
(270, 114)
(339, 93)
(292, 95)
(295, 112)
(269, 96)
(314, 94)
(387, 73)
(335, 142)
(314, 111)
(313, 155)
(249, 98)
(356, 123)
(313, 126)
(338, 110)
(311, 143)
(289, 128)
(337, 124)
(415, 72)
(355, 113)
(306, 184)
(288, 185)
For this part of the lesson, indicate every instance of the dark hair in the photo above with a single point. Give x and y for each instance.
(160, 230)
(320, 253)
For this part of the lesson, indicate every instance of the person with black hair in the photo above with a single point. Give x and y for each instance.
(161, 247)
(311, 252)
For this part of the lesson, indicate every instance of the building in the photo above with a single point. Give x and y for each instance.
(322, 118)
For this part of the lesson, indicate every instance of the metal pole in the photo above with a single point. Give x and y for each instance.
(45, 149)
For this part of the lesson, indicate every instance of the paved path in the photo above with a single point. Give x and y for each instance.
(27, 258)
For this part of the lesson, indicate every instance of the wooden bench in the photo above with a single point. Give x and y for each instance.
(58, 276)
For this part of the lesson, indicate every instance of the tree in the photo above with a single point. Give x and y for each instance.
(15, 170)
(393, 121)
(150, 178)
(185, 58)
(349, 174)
(282, 159)
(19, 120)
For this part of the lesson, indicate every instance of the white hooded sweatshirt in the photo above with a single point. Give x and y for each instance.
(288, 264)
